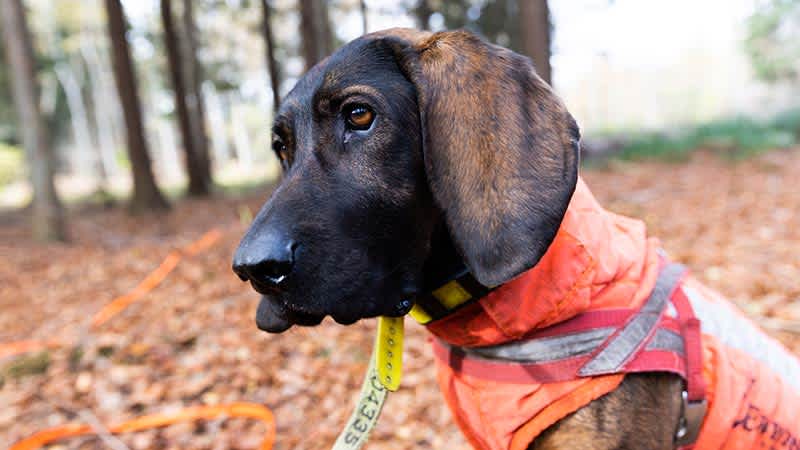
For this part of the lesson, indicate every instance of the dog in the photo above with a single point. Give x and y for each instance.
(410, 156)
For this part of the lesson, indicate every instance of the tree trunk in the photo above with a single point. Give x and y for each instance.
(422, 13)
(197, 111)
(146, 195)
(272, 63)
(104, 112)
(85, 158)
(48, 215)
(316, 30)
(197, 164)
(363, 5)
(534, 17)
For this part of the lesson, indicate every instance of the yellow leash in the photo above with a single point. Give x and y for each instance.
(383, 375)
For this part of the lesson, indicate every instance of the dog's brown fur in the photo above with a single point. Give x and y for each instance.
(468, 140)
(642, 413)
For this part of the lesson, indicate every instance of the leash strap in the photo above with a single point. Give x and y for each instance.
(383, 375)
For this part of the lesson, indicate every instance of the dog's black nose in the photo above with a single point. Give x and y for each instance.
(266, 260)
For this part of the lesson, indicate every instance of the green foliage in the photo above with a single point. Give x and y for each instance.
(33, 364)
(735, 137)
(773, 40)
(11, 164)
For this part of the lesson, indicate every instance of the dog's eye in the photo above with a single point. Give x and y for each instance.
(359, 117)
(281, 150)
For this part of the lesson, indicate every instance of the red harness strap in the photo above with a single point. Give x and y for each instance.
(663, 335)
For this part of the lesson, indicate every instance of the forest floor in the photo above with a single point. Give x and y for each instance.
(193, 341)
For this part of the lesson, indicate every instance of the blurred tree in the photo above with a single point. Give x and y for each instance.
(107, 121)
(8, 117)
(272, 63)
(773, 42)
(194, 100)
(521, 25)
(422, 12)
(316, 31)
(146, 195)
(47, 217)
(534, 27)
(183, 68)
(362, 4)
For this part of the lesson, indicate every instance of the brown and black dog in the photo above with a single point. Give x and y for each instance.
(404, 149)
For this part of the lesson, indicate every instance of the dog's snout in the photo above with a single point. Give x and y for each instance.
(265, 261)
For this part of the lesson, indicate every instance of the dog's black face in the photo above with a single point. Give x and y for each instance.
(396, 135)
(350, 222)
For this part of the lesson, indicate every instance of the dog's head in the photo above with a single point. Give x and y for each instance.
(393, 137)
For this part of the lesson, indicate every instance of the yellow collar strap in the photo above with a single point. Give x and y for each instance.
(447, 297)
(383, 375)
(386, 363)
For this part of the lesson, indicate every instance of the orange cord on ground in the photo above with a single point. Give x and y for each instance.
(120, 303)
(250, 410)
(154, 278)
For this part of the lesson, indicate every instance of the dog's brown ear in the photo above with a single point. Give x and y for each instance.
(501, 150)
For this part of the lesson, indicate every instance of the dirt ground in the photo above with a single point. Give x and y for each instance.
(193, 340)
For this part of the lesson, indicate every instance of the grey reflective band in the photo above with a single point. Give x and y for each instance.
(614, 356)
(668, 340)
(622, 346)
(545, 349)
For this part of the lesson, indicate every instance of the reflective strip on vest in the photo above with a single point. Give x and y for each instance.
(614, 346)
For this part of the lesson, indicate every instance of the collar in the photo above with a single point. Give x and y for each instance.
(447, 296)
(447, 283)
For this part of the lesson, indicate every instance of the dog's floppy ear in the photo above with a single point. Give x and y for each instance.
(501, 150)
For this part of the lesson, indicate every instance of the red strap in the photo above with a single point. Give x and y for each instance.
(692, 337)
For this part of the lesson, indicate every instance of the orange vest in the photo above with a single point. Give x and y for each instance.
(600, 261)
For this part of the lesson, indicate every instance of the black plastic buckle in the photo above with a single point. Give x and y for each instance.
(691, 420)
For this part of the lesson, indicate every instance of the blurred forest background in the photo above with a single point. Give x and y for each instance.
(129, 128)
(140, 98)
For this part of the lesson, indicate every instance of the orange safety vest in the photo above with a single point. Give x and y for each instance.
(602, 270)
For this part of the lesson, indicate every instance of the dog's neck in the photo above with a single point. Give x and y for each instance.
(447, 284)
(443, 262)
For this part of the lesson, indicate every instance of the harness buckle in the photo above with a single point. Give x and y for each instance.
(692, 415)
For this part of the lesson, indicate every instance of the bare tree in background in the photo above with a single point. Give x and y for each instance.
(146, 195)
(316, 29)
(188, 101)
(194, 100)
(272, 63)
(48, 215)
(534, 16)
(422, 12)
(363, 5)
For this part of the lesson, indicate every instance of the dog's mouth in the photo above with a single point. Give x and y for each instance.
(276, 316)
(278, 310)
(273, 316)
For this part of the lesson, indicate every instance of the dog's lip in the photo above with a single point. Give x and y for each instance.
(270, 317)
(264, 288)
(273, 316)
